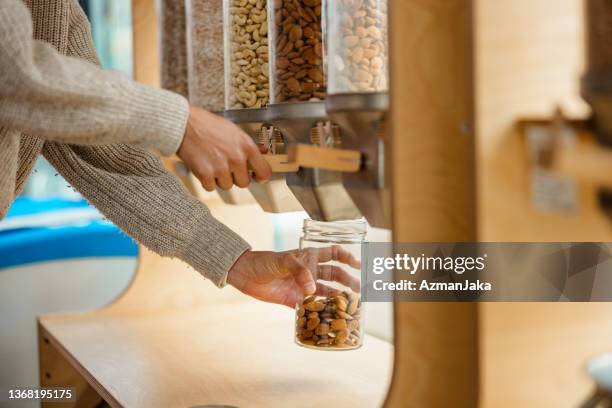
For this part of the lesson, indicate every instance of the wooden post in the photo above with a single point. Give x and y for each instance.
(433, 193)
(145, 43)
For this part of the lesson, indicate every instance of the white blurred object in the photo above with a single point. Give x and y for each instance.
(32, 290)
(63, 217)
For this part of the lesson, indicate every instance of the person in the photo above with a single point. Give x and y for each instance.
(97, 128)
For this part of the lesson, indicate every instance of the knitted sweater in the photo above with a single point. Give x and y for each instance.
(96, 128)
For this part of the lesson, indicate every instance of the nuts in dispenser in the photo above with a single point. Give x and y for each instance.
(297, 43)
(358, 46)
(205, 53)
(330, 322)
(247, 81)
(173, 46)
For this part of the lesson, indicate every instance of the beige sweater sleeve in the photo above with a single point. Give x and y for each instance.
(80, 110)
(68, 99)
(130, 186)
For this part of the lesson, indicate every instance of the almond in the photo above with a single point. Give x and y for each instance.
(352, 307)
(309, 299)
(322, 342)
(344, 315)
(314, 306)
(338, 324)
(313, 323)
(295, 33)
(351, 40)
(322, 329)
(341, 337)
(316, 75)
(341, 304)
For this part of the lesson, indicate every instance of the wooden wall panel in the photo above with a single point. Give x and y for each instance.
(145, 43)
(529, 59)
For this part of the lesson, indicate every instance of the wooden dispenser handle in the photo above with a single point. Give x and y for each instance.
(586, 161)
(347, 161)
(303, 155)
(280, 163)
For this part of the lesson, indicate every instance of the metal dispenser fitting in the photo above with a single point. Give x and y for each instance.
(360, 118)
(319, 191)
(273, 196)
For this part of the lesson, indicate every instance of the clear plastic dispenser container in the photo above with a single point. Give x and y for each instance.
(296, 49)
(205, 63)
(357, 46)
(172, 45)
(246, 54)
(332, 319)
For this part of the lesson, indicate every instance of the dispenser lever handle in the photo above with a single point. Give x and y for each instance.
(280, 163)
(586, 161)
(343, 160)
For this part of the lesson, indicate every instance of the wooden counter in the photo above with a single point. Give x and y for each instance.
(200, 346)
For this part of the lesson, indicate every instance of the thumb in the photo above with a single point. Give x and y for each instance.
(302, 276)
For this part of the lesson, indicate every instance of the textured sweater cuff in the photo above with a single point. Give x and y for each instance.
(215, 260)
(167, 113)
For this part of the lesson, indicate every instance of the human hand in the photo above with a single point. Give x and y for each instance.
(280, 277)
(217, 152)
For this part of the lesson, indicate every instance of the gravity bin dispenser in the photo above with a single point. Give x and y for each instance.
(357, 97)
(247, 93)
(297, 109)
(320, 108)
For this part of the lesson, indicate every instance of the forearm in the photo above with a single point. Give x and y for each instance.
(132, 189)
(67, 99)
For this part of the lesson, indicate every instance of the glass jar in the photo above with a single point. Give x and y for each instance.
(296, 49)
(332, 319)
(246, 54)
(357, 46)
(205, 63)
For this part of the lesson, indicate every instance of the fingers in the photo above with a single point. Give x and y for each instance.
(224, 178)
(324, 290)
(205, 174)
(260, 166)
(339, 254)
(332, 273)
(301, 274)
(240, 174)
(290, 300)
(208, 183)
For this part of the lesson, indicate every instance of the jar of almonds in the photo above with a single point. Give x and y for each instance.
(246, 54)
(296, 47)
(357, 46)
(332, 318)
